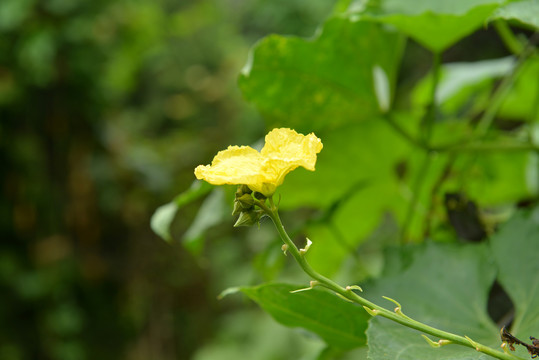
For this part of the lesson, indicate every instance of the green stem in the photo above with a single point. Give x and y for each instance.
(470, 145)
(496, 102)
(443, 176)
(485, 122)
(402, 132)
(292, 248)
(503, 90)
(430, 115)
(372, 308)
(476, 147)
(508, 38)
(429, 119)
(416, 189)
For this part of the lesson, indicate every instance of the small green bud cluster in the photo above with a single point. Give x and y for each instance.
(244, 206)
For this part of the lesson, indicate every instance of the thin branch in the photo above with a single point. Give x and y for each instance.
(503, 90)
(373, 309)
(444, 175)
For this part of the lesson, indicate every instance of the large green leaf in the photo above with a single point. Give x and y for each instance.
(516, 251)
(339, 323)
(354, 157)
(330, 248)
(434, 24)
(523, 11)
(416, 7)
(437, 32)
(447, 286)
(356, 180)
(325, 81)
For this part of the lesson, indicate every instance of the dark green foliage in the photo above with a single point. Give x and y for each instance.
(106, 107)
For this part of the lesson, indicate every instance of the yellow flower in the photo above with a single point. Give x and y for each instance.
(262, 171)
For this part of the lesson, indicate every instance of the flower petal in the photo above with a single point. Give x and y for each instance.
(284, 151)
(293, 148)
(235, 165)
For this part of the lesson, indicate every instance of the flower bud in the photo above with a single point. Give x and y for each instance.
(237, 208)
(249, 218)
(243, 189)
(243, 203)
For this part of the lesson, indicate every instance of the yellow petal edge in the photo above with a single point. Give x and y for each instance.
(263, 171)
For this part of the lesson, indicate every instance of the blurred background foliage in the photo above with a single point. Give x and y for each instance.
(106, 107)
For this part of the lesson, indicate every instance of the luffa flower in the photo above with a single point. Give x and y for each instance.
(263, 171)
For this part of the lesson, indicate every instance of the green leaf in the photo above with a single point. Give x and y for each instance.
(464, 87)
(162, 218)
(356, 177)
(196, 191)
(330, 353)
(381, 88)
(329, 248)
(354, 157)
(523, 11)
(248, 333)
(416, 7)
(515, 249)
(498, 177)
(434, 24)
(339, 323)
(164, 215)
(521, 102)
(437, 31)
(325, 81)
(212, 212)
(447, 287)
